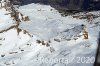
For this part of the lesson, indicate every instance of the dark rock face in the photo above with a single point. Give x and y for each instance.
(65, 4)
(15, 2)
(75, 4)
(97, 60)
(25, 2)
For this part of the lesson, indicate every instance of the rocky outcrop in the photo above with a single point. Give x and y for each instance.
(65, 7)
(64, 4)
(15, 15)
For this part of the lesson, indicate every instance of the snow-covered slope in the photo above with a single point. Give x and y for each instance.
(5, 20)
(46, 24)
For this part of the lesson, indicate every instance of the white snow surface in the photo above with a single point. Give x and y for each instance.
(23, 50)
(5, 20)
